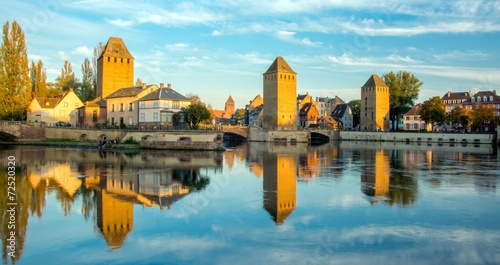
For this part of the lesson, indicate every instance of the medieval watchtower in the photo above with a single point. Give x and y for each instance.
(115, 68)
(280, 92)
(374, 105)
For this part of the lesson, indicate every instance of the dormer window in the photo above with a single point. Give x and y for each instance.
(472, 99)
(478, 99)
(485, 98)
(491, 98)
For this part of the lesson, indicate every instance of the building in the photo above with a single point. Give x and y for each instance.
(280, 92)
(160, 106)
(486, 99)
(308, 114)
(454, 99)
(256, 102)
(228, 110)
(115, 68)
(255, 116)
(413, 122)
(323, 105)
(52, 110)
(343, 114)
(374, 105)
(93, 113)
(123, 104)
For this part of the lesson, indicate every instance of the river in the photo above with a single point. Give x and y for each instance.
(257, 203)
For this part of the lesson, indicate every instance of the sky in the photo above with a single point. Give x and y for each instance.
(219, 48)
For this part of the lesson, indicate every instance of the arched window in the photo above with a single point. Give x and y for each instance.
(472, 99)
(491, 98)
(478, 99)
(485, 98)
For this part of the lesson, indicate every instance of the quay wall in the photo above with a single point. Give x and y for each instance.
(418, 137)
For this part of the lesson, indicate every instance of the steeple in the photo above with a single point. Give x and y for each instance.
(374, 81)
(279, 65)
(116, 48)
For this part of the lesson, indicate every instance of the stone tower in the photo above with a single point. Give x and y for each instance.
(374, 105)
(229, 107)
(280, 93)
(115, 68)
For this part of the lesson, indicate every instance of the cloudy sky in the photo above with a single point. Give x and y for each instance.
(221, 48)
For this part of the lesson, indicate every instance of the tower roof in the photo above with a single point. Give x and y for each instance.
(279, 65)
(116, 48)
(230, 99)
(374, 81)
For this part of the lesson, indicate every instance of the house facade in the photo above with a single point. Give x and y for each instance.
(486, 99)
(308, 115)
(343, 114)
(412, 120)
(159, 106)
(92, 114)
(123, 105)
(51, 110)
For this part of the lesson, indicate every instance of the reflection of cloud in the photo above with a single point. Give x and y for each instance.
(346, 201)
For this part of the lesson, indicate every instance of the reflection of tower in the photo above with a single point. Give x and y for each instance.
(115, 218)
(376, 178)
(280, 185)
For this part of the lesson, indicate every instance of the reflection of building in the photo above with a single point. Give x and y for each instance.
(280, 185)
(163, 187)
(375, 178)
(61, 173)
(115, 218)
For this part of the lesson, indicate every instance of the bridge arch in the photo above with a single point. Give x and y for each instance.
(7, 137)
(318, 138)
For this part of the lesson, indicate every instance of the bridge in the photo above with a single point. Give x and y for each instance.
(242, 132)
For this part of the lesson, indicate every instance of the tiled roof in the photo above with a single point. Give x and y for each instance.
(279, 65)
(116, 48)
(48, 103)
(97, 102)
(164, 93)
(230, 99)
(340, 110)
(456, 95)
(414, 111)
(127, 92)
(374, 81)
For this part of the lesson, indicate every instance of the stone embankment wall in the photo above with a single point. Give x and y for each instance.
(418, 137)
(256, 134)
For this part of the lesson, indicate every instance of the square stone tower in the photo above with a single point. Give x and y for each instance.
(280, 93)
(115, 68)
(374, 105)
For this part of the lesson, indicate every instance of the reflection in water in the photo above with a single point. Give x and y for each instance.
(110, 187)
(280, 181)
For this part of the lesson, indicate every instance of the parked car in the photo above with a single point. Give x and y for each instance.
(62, 124)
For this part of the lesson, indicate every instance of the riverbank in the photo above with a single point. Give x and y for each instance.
(72, 143)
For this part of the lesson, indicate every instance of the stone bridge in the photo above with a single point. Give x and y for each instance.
(15, 131)
(236, 130)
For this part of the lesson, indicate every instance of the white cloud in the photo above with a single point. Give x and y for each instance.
(119, 22)
(289, 36)
(83, 50)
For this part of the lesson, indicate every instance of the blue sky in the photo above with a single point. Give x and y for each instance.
(221, 48)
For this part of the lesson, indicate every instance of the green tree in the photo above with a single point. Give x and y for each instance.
(138, 82)
(15, 87)
(240, 115)
(52, 90)
(355, 106)
(403, 91)
(196, 113)
(67, 78)
(433, 111)
(459, 116)
(480, 115)
(87, 89)
(97, 53)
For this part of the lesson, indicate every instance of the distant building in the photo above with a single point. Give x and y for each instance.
(323, 105)
(280, 92)
(256, 102)
(487, 99)
(160, 106)
(93, 113)
(413, 122)
(228, 109)
(255, 116)
(308, 115)
(52, 110)
(343, 114)
(454, 99)
(123, 104)
(115, 68)
(374, 105)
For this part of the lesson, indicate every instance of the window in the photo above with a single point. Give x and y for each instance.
(478, 99)
(485, 98)
(155, 177)
(115, 60)
(121, 106)
(143, 104)
(121, 60)
(472, 99)
(143, 117)
(65, 104)
(155, 116)
(76, 105)
(130, 120)
(165, 105)
(130, 106)
(112, 107)
(94, 116)
(175, 105)
(109, 59)
(128, 60)
(491, 98)
(155, 104)
(454, 101)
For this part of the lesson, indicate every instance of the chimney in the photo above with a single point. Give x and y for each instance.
(143, 85)
(169, 86)
(494, 92)
(161, 85)
(449, 93)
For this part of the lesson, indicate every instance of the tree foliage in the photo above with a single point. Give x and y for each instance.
(38, 77)
(459, 116)
(480, 115)
(138, 82)
(433, 111)
(87, 89)
(355, 106)
(404, 88)
(196, 113)
(15, 87)
(67, 78)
